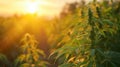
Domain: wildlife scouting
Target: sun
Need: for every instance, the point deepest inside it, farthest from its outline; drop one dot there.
(32, 7)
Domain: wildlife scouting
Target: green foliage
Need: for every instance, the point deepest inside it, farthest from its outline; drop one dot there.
(93, 39)
(31, 55)
(4, 61)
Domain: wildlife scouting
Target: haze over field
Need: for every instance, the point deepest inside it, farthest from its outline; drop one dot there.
(41, 7)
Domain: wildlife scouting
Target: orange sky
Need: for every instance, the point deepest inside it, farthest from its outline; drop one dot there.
(45, 7)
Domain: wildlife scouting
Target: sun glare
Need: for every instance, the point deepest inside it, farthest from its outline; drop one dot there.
(32, 7)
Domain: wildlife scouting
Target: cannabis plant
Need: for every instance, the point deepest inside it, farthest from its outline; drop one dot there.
(93, 39)
(30, 55)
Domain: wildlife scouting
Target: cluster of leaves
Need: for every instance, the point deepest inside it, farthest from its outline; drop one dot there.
(30, 55)
(90, 37)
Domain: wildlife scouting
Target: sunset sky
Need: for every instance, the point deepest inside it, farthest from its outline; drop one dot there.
(43, 7)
